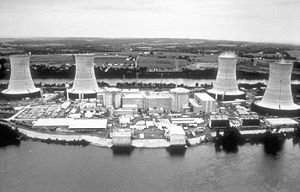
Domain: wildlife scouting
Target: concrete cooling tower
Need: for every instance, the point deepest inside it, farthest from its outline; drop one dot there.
(20, 83)
(277, 99)
(225, 88)
(85, 84)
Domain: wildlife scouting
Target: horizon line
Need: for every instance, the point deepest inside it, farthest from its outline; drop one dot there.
(103, 37)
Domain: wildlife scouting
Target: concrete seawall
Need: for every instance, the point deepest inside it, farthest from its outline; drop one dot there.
(94, 140)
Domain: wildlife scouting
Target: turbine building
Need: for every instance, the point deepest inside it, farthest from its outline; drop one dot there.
(225, 87)
(277, 99)
(85, 84)
(20, 83)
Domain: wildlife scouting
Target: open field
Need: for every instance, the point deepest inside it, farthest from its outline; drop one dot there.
(52, 59)
(168, 63)
(294, 53)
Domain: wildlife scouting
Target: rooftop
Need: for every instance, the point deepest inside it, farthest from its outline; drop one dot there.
(179, 90)
(204, 97)
(88, 124)
(281, 121)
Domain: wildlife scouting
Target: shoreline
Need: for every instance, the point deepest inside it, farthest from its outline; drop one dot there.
(249, 136)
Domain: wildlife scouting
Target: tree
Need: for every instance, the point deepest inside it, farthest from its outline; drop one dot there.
(2, 62)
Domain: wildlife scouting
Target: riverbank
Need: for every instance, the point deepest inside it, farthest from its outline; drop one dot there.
(95, 140)
(85, 139)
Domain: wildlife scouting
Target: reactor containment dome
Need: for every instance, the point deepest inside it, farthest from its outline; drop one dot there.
(278, 99)
(20, 83)
(85, 84)
(225, 87)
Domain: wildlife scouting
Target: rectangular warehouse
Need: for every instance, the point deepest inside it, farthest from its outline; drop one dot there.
(88, 124)
(282, 122)
(177, 135)
(208, 104)
(218, 121)
(121, 138)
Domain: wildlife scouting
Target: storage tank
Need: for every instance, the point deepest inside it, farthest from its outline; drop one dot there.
(20, 83)
(225, 87)
(113, 97)
(85, 84)
(277, 99)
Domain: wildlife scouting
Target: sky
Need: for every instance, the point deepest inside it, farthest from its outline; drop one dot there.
(240, 20)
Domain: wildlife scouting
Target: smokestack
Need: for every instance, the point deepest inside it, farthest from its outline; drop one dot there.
(277, 99)
(20, 83)
(225, 87)
(85, 83)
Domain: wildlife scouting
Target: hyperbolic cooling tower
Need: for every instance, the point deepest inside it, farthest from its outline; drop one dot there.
(85, 84)
(277, 99)
(225, 87)
(20, 83)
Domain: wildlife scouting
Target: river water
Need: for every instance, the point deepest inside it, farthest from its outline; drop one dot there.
(35, 166)
(185, 81)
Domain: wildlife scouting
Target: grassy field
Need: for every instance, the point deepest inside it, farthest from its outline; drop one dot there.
(168, 63)
(51, 59)
(295, 53)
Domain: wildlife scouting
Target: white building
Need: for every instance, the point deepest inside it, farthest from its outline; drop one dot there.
(177, 135)
(208, 104)
(121, 138)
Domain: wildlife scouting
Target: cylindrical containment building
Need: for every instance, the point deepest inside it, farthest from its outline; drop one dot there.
(225, 88)
(277, 99)
(20, 83)
(85, 85)
(180, 98)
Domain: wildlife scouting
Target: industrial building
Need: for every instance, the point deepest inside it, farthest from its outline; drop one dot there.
(208, 104)
(176, 135)
(71, 124)
(148, 100)
(278, 99)
(281, 122)
(219, 121)
(180, 99)
(20, 83)
(85, 84)
(250, 120)
(155, 100)
(113, 97)
(134, 98)
(87, 124)
(121, 138)
(196, 108)
(51, 123)
(225, 87)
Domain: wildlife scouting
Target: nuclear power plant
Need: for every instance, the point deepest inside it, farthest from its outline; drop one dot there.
(225, 88)
(277, 99)
(85, 84)
(20, 83)
(147, 114)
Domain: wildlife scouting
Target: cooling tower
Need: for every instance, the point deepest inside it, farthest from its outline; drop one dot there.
(277, 99)
(85, 84)
(20, 83)
(225, 88)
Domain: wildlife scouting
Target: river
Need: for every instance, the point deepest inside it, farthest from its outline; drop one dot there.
(36, 166)
(185, 81)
